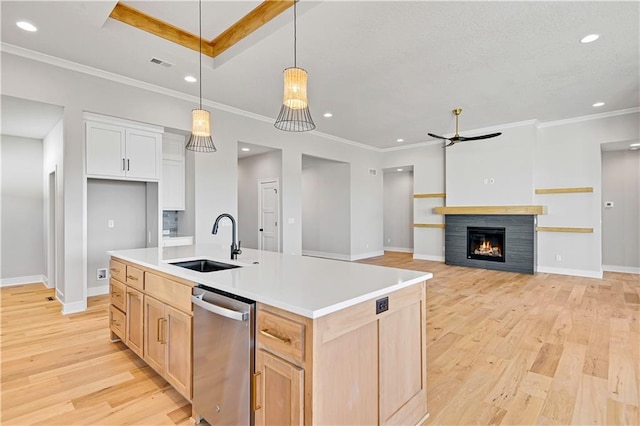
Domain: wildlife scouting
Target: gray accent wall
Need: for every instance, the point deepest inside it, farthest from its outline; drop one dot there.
(398, 210)
(520, 241)
(621, 223)
(123, 202)
(22, 224)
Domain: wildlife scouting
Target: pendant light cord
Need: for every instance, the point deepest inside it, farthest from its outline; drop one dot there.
(200, 56)
(295, 63)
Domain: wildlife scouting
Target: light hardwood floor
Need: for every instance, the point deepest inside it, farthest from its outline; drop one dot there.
(503, 348)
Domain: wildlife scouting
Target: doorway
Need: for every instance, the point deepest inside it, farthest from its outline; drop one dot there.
(398, 209)
(268, 205)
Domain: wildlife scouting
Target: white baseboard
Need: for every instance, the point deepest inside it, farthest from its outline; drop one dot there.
(428, 257)
(97, 291)
(366, 255)
(623, 269)
(326, 255)
(574, 272)
(74, 307)
(29, 279)
(399, 249)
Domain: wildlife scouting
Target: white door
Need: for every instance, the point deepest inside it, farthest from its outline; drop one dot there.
(269, 206)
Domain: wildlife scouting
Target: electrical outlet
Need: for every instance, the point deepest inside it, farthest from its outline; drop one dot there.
(110, 223)
(485, 181)
(382, 305)
(101, 274)
(558, 258)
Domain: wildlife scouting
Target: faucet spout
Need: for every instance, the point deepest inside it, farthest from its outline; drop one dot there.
(235, 247)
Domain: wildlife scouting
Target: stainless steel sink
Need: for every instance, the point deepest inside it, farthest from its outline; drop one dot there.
(204, 265)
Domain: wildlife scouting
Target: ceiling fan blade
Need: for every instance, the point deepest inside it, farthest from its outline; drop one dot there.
(449, 144)
(475, 138)
(438, 137)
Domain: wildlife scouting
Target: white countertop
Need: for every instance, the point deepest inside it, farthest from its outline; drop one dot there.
(308, 286)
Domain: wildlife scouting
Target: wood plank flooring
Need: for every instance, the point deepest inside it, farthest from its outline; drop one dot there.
(513, 349)
(503, 348)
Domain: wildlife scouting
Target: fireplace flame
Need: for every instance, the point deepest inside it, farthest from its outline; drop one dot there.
(486, 249)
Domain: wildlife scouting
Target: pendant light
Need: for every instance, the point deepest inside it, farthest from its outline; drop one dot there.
(294, 115)
(200, 139)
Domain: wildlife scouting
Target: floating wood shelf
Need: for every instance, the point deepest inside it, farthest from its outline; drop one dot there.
(429, 225)
(564, 229)
(528, 210)
(564, 190)
(434, 195)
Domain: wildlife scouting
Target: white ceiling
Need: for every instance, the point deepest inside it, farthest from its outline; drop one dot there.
(28, 119)
(386, 70)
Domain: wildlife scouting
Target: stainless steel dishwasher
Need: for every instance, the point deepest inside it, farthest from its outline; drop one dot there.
(223, 356)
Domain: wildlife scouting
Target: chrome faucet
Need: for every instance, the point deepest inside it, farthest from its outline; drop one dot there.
(235, 248)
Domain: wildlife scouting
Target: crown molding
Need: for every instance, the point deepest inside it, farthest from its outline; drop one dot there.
(95, 72)
(590, 117)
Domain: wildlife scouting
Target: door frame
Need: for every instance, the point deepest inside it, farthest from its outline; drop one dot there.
(278, 234)
(52, 230)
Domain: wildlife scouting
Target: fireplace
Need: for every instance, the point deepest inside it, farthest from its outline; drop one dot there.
(486, 244)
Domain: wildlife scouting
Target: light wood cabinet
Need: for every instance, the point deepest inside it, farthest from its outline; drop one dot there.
(155, 320)
(280, 391)
(118, 149)
(134, 332)
(167, 338)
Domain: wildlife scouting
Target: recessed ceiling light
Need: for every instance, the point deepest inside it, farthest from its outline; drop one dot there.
(635, 145)
(398, 170)
(27, 26)
(327, 115)
(590, 38)
(598, 104)
(246, 149)
(400, 140)
(190, 79)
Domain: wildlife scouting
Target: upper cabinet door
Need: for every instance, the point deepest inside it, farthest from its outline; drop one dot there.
(173, 172)
(105, 149)
(143, 151)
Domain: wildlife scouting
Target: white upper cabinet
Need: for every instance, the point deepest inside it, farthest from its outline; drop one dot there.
(121, 149)
(173, 172)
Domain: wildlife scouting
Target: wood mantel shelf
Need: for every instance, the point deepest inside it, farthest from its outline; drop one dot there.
(527, 210)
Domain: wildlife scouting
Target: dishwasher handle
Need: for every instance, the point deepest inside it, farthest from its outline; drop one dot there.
(219, 310)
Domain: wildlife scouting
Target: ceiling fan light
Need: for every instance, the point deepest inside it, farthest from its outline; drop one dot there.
(200, 139)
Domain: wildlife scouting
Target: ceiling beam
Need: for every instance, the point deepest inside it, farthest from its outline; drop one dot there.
(253, 20)
(249, 23)
(141, 20)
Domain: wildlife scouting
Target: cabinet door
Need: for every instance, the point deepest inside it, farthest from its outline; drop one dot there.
(154, 333)
(134, 321)
(105, 149)
(178, 338)
(143, 154)
(172, 185)
(280, 391)
(403, 366)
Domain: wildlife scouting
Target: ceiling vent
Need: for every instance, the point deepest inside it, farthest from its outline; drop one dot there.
(373, 172)
(161, 62)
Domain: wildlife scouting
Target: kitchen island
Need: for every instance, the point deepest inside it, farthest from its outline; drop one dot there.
(336, 342)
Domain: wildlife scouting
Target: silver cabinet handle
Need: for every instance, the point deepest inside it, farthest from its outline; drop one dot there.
(219, 310)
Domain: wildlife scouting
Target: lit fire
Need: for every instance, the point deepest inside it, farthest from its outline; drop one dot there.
(486, 249)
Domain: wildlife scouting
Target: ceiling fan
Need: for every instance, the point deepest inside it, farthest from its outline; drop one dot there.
(457, 138)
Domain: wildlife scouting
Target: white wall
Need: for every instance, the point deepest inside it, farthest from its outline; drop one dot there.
(250, 171)
(398, 210)
(507, 159)
(23, 242)
(325, 208)
(621, 223)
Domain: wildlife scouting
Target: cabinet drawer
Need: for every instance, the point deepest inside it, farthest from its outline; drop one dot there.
(117, 270)
(135, 277)
(281, 335)
(117, 320)
(118, 291)
(169, 291)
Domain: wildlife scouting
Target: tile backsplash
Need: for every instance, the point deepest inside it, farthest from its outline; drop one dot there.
(169, 222)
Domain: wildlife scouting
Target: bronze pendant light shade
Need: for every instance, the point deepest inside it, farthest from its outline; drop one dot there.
(200, 139)
(294, 114)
